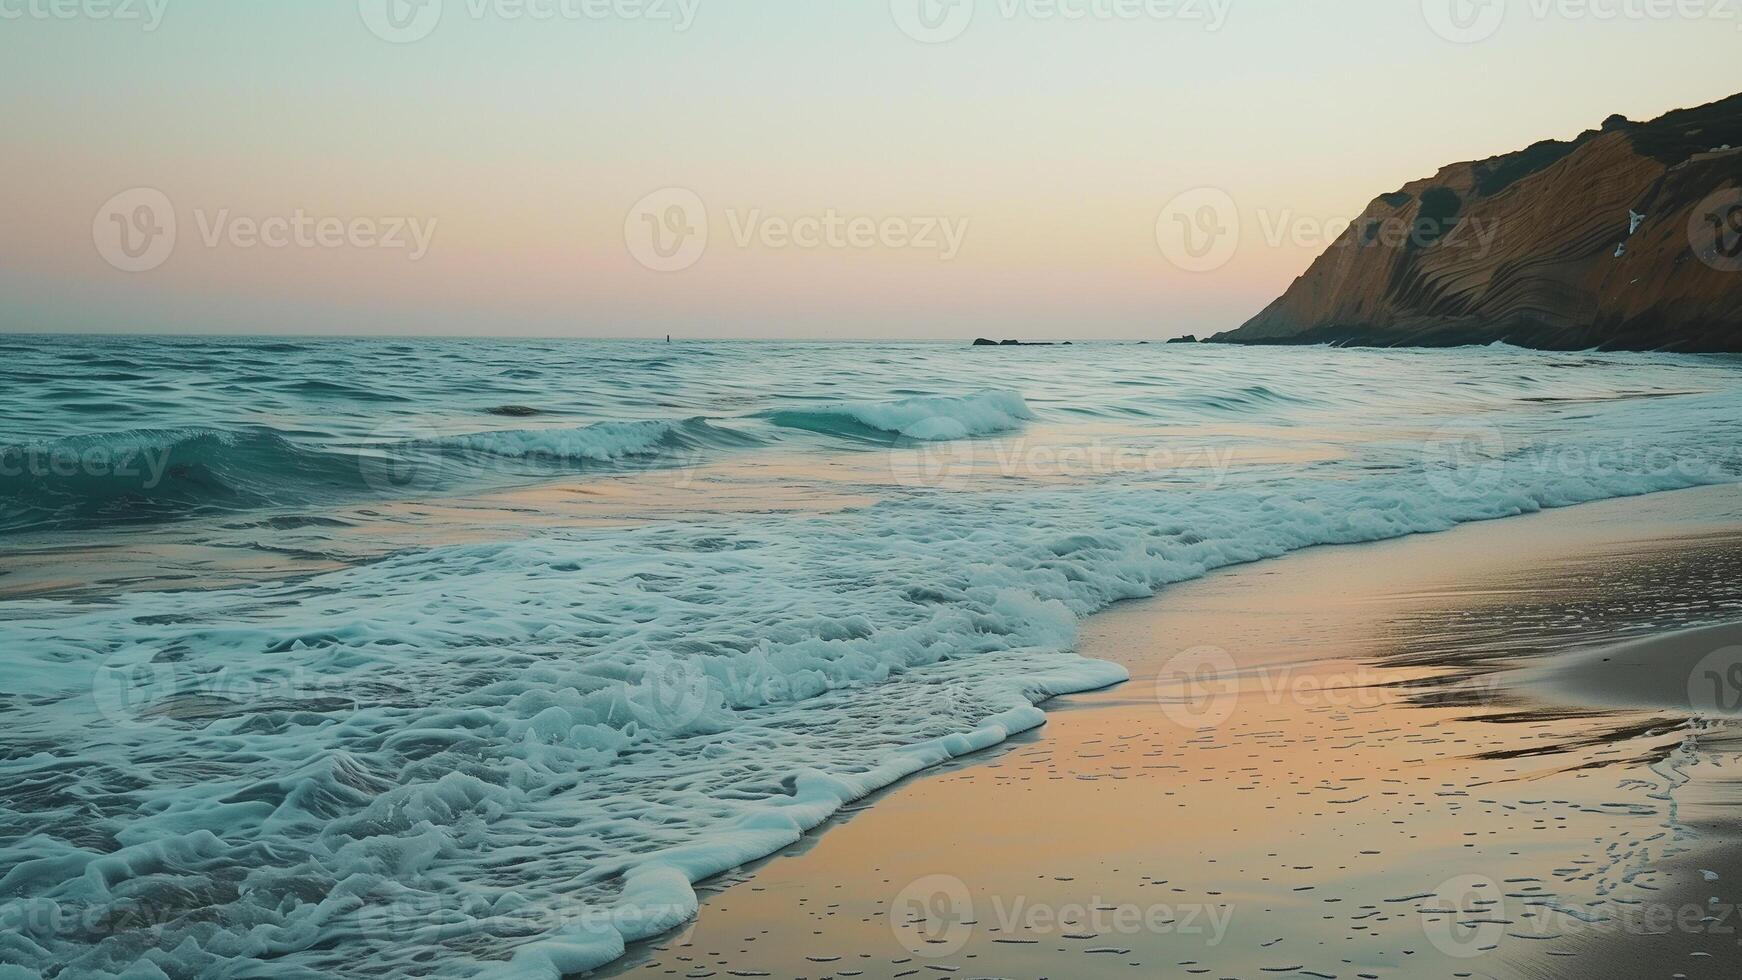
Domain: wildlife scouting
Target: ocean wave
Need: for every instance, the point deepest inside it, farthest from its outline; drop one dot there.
(317, 388)
(603, 442)
(152, 475)
(924, 419)
(1251, 399)
(159, 474)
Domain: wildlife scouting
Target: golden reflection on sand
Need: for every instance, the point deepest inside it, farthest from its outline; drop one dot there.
(1324, 800)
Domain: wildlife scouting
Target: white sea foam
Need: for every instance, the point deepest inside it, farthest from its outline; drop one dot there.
(927, 419)
(604, 442)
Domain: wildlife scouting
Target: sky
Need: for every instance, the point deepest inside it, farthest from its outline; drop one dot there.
(834, 169)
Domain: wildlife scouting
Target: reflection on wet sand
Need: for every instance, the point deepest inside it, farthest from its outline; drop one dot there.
(1324, 767)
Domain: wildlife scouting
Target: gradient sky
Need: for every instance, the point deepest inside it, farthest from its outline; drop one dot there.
(528, 142)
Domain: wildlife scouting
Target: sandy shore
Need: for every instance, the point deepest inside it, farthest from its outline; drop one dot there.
(1434, 757)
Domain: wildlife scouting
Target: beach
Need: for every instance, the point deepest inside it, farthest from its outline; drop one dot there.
(1356, 761)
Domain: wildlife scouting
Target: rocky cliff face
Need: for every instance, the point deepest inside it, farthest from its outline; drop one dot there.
(1626, 238)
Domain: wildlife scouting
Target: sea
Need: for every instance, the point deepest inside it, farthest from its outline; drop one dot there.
(469, 658)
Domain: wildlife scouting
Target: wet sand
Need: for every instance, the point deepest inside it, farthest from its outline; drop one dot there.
(1351, 762)
(1697, 670)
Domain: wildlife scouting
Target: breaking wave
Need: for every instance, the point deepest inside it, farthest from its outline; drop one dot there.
(155, 475)
(158, 474)
(924, 419)
(605, 442)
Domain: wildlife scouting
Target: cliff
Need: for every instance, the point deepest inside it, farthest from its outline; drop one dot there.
(1628, 237)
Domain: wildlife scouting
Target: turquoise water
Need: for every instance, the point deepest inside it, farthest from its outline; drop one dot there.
(509, 742)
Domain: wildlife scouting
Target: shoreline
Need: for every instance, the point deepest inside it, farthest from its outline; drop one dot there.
(1134, 632)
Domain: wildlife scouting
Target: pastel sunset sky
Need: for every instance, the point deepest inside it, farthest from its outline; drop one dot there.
(894, 169)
